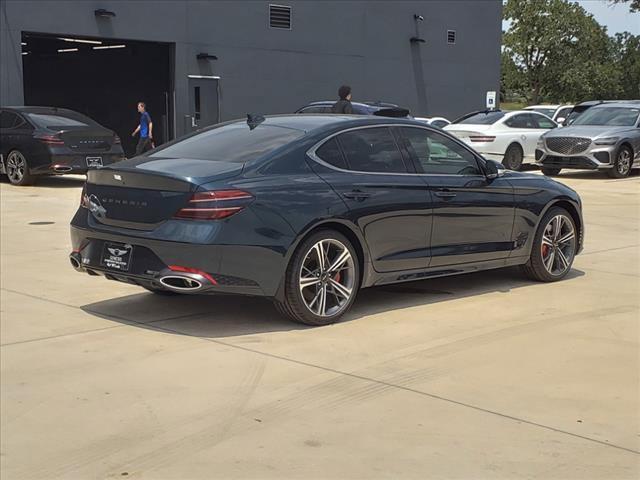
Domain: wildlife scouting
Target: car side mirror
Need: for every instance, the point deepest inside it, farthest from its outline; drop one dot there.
(493, 170)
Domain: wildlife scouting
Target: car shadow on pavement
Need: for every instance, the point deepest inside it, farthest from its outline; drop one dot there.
(219, 316)
(76, 181)
(593, 175)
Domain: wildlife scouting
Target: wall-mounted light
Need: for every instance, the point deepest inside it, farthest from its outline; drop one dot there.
(206, 56)
(80, 40)
(418, 18)
(108, 47)
(102, 13)
(417, 40)
(67, 50)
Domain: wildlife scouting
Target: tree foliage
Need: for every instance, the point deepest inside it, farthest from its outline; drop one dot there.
(634, 5)
(555, 51)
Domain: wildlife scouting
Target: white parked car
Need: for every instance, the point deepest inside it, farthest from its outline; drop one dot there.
(507, 137)
(557, 113)
(439, 122)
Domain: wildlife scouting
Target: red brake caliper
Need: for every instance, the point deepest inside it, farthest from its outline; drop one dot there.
(545, 250)
(337, 277)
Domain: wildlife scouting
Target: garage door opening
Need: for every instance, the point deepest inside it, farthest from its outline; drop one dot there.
(102, 78)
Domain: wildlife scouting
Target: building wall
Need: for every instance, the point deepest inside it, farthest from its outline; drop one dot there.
(363, 44)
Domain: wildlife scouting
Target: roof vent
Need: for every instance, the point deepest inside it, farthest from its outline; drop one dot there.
(451, 37)
(280, 16)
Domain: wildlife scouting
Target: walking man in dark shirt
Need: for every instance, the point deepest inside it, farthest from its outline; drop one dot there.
(344, 104)
(145, 128)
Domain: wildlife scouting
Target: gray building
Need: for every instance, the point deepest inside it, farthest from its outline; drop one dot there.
(197, 62)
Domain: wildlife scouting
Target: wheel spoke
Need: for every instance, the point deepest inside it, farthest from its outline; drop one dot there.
(319, 249)
(546, 240)
(322, 304)
(548, 262)
(557, 226)
(306, 282)
(340, 289)
(567, 237)
(562, 260)
(340, 261)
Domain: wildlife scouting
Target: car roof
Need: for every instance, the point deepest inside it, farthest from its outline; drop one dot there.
(309, 122)
(621, 103)
(530, 107)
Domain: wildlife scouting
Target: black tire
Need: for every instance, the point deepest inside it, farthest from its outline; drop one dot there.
(551, 172)
(535, 268)
(622, 163)
(513, 157)
(17, 169)
(294, 305)
(162, 293)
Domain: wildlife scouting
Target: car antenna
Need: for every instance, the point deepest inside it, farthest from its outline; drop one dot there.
(254, 119)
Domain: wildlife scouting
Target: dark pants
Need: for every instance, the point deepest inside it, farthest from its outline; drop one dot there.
(144, 144)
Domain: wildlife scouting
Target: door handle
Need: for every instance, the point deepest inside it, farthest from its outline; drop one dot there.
(445, 194)
(358, 195)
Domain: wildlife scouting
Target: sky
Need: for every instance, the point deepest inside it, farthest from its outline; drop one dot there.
(616, 17)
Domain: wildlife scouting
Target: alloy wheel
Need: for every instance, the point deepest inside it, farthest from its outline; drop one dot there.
(558, 245)
(624, 162)
(16, 167)
(327, 278)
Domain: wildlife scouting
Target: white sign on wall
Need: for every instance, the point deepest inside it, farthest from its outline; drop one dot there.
(491, 100)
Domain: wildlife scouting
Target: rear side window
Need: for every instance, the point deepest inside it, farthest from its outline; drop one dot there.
(372, 150)
(8, 119)
(233, 143)
(438, 154)
(330, 152)
(523, 120)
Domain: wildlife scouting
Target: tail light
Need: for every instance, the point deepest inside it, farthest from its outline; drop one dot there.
(116, 140)
(215, 205)
(50, 139)
(84, 199)
(484, 138)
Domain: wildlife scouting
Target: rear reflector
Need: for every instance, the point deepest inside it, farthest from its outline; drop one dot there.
(482, 139)
(215, 205)
(84, 200)
(178, 268)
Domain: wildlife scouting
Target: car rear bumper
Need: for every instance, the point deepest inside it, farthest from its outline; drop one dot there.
(232, 269)
(74, 163)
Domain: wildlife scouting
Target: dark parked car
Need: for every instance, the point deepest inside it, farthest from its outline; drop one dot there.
(381, 109)
(308, 209)
(52, 141)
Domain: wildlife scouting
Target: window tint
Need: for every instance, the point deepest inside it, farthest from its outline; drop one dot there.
(543, 122)
(316, 109)
(564, 112)
(8, 119)
(60, 120)
(610, 116)
(372, 150)
(482, 118)
(523, 120)
(330, 152)
(439, 154)
(234, 143)
(545, 111)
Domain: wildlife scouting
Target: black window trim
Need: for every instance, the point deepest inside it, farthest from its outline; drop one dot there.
(311, 153)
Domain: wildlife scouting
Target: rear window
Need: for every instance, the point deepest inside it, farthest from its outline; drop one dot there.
(609, 116)
(481, 118)
(233, 143)
(60, 120)
(545, 111)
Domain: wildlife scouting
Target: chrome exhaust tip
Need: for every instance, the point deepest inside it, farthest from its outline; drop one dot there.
(61, 168)
(181, 283)
(76, 261)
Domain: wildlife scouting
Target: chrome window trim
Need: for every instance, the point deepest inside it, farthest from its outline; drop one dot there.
(311, 153)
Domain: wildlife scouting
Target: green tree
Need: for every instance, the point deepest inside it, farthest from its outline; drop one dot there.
(560, 52)
(627, 52)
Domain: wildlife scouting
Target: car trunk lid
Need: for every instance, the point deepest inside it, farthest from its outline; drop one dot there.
(142, 193)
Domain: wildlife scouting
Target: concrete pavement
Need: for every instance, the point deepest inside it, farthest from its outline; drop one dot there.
(486, 375)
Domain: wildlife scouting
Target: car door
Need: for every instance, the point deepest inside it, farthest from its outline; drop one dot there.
(8, 138)
(391, 205)
(524, 129)
(472, 216)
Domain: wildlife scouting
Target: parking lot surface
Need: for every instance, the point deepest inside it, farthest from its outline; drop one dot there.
(486, 375)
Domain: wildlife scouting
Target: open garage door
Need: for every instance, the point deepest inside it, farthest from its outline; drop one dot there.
(102, 78)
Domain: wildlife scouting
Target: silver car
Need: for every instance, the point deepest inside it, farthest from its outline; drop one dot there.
(605, 137)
